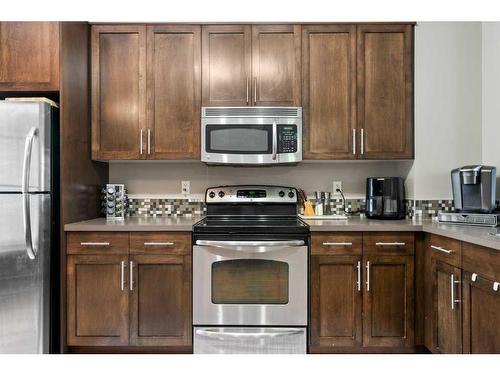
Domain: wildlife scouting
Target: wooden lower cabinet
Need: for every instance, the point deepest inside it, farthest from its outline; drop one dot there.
(97, 300)
(336, 301)
(388, 301)
(160, 305)
(446, 308)
(481, 326)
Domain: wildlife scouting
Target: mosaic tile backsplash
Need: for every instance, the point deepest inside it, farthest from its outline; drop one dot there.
(161, 207)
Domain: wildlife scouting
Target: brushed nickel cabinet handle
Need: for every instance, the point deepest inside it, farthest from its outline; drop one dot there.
(368, 276)
(149, 141)
(95, 244)
(473, 277)
(496, 286)
(453, 282)
(354, 141)
(443, 250)
(141, 141)
(337, 243)
(390, 243)
(358, 282)
(255, 90)
(248, 93)
(122, 275)
(362, 145)
(131, 275)
(159, 243)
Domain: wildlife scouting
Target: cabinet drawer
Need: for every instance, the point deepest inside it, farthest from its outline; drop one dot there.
(481, 260)
(336, 243)
(446, 250)
(178, 243)
(97, 243)
(389, 243)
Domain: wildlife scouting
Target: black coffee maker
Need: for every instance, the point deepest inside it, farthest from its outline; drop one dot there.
(385, 198)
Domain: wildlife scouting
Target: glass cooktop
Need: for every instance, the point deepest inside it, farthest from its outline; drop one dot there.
(251, 224)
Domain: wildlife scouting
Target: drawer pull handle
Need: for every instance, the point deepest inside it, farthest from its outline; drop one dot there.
(159, 243)
(496, 285)
(390, 243)
(438, 248)
(337, 243)
(473, 277)
(95, 243)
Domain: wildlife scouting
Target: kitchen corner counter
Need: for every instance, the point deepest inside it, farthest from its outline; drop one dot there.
(135, 224)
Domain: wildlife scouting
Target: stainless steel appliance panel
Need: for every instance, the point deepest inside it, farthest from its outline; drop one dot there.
(249, 340)
(292, 313)
(25, 126)
(24, 282)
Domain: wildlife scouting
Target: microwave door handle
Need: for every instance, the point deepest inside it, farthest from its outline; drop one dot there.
(275, 141)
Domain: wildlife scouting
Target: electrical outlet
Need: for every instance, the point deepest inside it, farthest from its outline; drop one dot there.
(186, 187)
(337, 185)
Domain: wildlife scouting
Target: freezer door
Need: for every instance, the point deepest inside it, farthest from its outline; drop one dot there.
(24, 282)
(23, 124)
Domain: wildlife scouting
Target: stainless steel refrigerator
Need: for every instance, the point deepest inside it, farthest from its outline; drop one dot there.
(27, 190)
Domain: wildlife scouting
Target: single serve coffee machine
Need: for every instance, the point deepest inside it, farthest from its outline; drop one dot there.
(474, 189)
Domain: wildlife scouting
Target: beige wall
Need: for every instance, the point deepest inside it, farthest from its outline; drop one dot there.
(447, 105)
(165, 178)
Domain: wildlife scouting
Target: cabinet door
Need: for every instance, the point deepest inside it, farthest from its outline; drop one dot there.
(118, 92)
(336, 302)
(97, 300)
(481, 317)
(226, 60)
(446, 310)
(29, 56)
(385, 90)
(276, 61)
(329, 91)
(160, 300)
(174, 91)
(388, 301)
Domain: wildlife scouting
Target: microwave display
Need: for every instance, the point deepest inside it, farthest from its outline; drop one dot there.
(287, 139)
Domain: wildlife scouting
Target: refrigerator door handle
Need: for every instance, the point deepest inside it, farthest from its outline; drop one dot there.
(28, 146)
(32, 252)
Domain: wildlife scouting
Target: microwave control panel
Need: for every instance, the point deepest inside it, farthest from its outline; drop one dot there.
(287, 139)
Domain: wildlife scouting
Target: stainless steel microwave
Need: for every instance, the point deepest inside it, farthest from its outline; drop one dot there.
(251, 135)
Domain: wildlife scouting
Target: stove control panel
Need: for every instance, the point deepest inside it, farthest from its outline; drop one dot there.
(251, 194)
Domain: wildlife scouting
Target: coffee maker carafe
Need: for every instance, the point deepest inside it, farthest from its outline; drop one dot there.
(385, 198)
(474, 188)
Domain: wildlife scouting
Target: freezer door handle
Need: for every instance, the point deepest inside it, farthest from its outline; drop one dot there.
(28, 146)
(30, 249)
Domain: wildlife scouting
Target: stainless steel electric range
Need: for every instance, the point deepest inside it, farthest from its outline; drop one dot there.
(250, 261)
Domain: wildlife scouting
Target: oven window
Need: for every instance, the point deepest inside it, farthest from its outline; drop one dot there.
(239, 139)
(250, 281)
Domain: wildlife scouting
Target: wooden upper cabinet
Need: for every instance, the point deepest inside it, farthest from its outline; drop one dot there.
(336, 302)
(276, 62)
(385, 90)
(118, 92)
(160, 300)
(329, 91)
(174, 91)
(97, 300)
(29, 56)
(388, 301)
(226, 60)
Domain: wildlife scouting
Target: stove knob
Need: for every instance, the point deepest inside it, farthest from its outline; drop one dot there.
(281, 193)
(291, 194)
(221, 194)
(211, 194)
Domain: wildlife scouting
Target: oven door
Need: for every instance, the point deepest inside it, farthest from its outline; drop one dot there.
(261, 283)
(241, 140)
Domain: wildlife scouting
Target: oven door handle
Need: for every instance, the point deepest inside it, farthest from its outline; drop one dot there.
(256, 335)
(251, 246)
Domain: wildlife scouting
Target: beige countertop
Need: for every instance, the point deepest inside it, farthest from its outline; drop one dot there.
(477, 235)
(135, 224)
